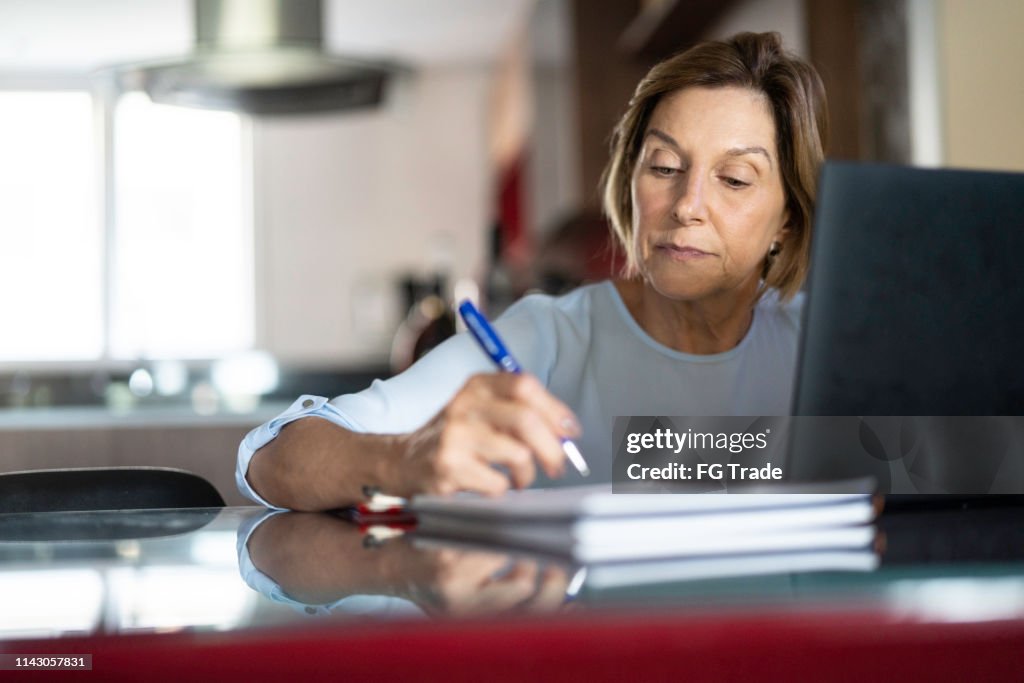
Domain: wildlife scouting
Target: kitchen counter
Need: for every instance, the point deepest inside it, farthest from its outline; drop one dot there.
(101, 417)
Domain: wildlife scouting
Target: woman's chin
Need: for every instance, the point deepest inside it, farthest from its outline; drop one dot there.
(693, 287)
(681, 288)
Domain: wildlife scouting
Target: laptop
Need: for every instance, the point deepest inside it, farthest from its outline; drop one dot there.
(913, 332)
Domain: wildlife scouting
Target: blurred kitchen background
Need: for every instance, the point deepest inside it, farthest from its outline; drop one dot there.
(209, 207)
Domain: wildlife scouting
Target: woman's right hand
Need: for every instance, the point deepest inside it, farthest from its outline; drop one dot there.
(503, 419)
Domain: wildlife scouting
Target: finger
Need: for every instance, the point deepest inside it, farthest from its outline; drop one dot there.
(522, 570)
(512, 588)
(527, 389)
(551, 591)
(456, 465)
(502, 596)
(476, 475)
(501, 449)
(527, 427)
(474, 568)
(459, 575)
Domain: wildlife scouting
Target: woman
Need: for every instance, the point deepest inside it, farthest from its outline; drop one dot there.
(710, 191)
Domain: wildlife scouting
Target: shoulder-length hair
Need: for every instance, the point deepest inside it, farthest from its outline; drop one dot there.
(796, 98)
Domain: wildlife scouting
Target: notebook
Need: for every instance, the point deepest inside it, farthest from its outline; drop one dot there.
(590, 524)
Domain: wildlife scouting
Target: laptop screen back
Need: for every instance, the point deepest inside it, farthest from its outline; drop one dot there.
(916, 294)
(915, 308)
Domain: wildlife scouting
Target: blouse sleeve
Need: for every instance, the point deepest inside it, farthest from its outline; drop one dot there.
(407, 401)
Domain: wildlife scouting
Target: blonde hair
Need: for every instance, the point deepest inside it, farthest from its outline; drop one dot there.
(796, 98)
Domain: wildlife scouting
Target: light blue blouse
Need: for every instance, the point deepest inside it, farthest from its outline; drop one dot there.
(588, 351)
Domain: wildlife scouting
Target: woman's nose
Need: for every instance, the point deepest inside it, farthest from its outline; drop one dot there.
(689, 205)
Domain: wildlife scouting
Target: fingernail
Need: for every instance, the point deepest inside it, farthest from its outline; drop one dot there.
(569, 424)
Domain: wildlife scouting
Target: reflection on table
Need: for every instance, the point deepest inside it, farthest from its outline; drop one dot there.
(323, 564)
(240, 568)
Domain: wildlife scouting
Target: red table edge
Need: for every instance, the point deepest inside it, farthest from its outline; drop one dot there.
(630, 645)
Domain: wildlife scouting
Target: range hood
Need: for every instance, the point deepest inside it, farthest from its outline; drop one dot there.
(260, 57)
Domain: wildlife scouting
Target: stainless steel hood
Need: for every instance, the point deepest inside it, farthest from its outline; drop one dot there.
(260, 57)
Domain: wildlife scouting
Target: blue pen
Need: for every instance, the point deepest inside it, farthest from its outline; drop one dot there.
(492, 345)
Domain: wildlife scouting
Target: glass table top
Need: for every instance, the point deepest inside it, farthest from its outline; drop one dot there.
(245, 568)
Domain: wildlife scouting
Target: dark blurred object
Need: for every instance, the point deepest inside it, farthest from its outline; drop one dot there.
(111, 488)
(326, 381)
(260, 57)
(503, 283)
(991, 530)
(98, 525)
(580, 250)
(22, 390)
(42, 389)
(860, 49)
(429, 322)
(664, 27)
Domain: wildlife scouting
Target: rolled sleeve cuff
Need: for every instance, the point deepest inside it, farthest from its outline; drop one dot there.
(375, 605)
(305, 406)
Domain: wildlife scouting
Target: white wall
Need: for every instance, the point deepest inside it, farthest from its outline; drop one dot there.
(347, 203)
(981, 52)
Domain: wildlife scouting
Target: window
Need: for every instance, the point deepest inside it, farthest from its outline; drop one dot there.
(170, 276)
(50, 228)
(183, 258)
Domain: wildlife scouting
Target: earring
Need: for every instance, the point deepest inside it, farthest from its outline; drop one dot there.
(769, 260)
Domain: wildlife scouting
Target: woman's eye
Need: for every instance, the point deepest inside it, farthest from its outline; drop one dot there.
(734, 182)
(664, 170)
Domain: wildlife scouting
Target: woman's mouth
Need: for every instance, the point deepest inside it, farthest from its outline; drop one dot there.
(682, 253)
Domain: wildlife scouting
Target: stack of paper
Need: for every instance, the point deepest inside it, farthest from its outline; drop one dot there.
(592, 525)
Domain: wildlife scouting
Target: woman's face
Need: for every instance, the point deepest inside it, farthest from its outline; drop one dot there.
(707, 193)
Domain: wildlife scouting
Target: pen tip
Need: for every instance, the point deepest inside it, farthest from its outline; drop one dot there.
(575, 457)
